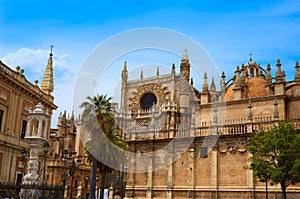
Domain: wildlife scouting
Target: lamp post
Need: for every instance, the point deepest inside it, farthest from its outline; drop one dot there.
(69, 159)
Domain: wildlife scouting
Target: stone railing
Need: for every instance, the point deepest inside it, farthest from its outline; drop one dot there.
(229, 128)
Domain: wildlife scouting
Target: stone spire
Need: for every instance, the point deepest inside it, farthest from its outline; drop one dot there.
(47, 83)
(223, 83)
(213, 85)
(280, 75)
(269, 76)
(185, 66)
(297, 74)
(157, 71)
(142, 75)
(185, 55)
(124, 72)
(237, 79)
(173, 69)
(205, 83)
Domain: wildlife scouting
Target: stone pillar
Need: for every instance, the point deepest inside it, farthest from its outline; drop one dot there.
(110, 192)
(250, 184)
(191, 174)
(149, 183)
(214, 169)
(32, 178)
(249, 118)
(170, 173)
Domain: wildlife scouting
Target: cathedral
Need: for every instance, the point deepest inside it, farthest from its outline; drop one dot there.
(190, 143)
(184, 142)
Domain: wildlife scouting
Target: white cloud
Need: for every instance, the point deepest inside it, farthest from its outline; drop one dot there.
(34, 63)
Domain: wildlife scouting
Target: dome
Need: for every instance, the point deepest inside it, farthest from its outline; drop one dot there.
(254, 87)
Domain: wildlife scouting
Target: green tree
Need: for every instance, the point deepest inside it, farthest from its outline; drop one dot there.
(276, 155)
(106, 147)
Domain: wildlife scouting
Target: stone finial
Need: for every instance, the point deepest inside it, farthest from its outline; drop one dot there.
(297, 74)
(280, 75)
(205, 83)
(47, 83)
(142, 76)
(124, 72)
(125, 66)
(185, 54)
(278, 65)
(173, 69)
(269, 76)
(185, 67)
(237, 79)
(223, 82)
(157, 71)
(213, 85)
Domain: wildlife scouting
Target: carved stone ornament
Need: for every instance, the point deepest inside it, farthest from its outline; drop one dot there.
(158, 90)
(232, 148)
(222, 148)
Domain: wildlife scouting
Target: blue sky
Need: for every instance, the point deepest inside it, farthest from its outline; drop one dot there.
(227, 30)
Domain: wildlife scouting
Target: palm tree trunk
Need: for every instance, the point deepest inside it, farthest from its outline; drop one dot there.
(93, 179)
(103, 175)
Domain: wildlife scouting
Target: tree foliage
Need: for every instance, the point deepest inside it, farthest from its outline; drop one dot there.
(276, 155)
(105, 148)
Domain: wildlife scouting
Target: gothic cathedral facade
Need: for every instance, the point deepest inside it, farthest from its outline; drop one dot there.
(187, 143)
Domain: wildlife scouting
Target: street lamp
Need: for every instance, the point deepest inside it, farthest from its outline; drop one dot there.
(65, 156)
(69, 159)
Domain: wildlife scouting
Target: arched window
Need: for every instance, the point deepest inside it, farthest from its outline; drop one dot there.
(251, 72)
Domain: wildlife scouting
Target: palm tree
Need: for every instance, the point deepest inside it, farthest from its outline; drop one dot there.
(106, 147)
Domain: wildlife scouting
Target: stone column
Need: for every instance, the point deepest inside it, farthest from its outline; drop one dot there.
(149, 183)
(214, 170)
(170, 177)
(32, 178)
(250, 184)
(110, 192)
(191, 174)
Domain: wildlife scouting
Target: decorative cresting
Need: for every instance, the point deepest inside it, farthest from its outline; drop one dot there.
(36, 136)
(161, 93)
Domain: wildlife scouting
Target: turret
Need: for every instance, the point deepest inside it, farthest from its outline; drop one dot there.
(280, 80)
(124, 73)
(238, 91)
(269, 80)
(123, 87)
(205, 92)
(297, 74)
(185, 66)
